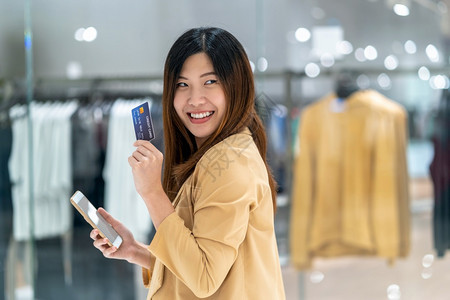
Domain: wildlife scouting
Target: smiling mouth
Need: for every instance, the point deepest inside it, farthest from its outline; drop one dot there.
(200, 115)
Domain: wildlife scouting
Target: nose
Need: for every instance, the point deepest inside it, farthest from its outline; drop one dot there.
(196, 97)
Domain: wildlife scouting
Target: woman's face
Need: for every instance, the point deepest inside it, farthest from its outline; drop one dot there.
(199, 97)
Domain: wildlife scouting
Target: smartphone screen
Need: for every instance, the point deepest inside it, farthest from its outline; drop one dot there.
(93, 217)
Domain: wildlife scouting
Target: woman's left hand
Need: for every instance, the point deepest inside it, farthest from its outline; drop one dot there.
(146, 164)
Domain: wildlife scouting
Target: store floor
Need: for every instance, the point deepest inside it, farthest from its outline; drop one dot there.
(94, 277)
(420, 276)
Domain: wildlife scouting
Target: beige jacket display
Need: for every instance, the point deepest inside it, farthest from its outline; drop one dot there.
(350, 186)
(220, 242)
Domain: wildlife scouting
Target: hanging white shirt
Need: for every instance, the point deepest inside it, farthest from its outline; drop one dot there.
(52, 173)
(121, 199)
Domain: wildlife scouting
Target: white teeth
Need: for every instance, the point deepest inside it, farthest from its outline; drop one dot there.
(201, 115)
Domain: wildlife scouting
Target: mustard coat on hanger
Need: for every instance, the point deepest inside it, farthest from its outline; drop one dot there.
(350, 193)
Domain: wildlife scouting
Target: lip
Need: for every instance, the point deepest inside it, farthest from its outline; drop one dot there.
(202, 120)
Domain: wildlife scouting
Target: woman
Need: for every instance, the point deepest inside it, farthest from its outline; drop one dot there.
(214, 211)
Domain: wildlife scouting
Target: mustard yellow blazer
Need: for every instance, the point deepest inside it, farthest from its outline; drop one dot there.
(350, 193)
(220, 242)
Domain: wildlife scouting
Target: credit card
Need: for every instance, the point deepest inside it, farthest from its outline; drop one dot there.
(142, 121)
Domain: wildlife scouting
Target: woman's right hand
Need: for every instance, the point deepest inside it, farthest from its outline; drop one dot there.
(127, 248)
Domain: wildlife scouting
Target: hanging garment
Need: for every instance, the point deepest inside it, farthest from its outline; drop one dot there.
(5, 152)
(52, 169)
(88, 151)
(350, 193)
(276, 129)
(121, 199)
(440, 176)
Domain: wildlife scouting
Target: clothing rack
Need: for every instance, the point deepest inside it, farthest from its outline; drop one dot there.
(128, 87)
(89, 87)
(83, 89)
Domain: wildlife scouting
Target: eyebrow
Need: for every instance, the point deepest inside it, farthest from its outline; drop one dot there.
(203, 75)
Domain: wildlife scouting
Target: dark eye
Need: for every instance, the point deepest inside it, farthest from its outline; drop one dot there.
(181, 84)
(211, 81)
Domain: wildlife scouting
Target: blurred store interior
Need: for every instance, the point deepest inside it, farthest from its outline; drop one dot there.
(80, 66)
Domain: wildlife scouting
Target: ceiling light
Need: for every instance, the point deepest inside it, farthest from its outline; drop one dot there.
(432, 53)
(344, 47)
(424, 73)
(85, 34)
(312, 70)
(370, 52)
(391, 62)
(90, 34)
(401, 9)
(410, 47)
(363, 81)
(262, 64)
(359, 55)
(79, 34)
(327, 60)
(384, 81)
(439, 82)
(302, 34)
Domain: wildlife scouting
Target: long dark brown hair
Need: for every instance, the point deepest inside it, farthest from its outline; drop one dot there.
(233, 69)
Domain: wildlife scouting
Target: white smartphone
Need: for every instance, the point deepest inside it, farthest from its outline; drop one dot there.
(93, 217)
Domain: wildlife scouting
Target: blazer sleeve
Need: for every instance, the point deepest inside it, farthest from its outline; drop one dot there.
(202, 258)
(403, 182)
(385, 188)
(302, 194)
